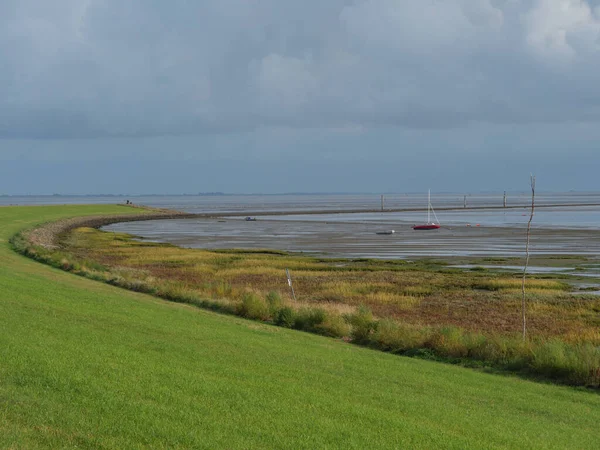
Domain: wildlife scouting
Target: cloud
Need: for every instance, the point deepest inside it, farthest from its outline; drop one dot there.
(93, 68)
(284, 82)
(564, 29)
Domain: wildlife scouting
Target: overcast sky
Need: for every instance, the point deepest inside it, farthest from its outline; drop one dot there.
(148, 96)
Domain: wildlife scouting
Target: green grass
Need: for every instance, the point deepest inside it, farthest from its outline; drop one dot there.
(87, 365)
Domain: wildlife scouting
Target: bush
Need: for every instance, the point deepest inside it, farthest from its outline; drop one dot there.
(448, 341)
(253, 307)
(363, 324)
(168, 292)
(396, 337)
(274, 301)
(308, 319)
(285, 317)
(172, 291)
(578, 364)
(551, 359)
(508, 351)
(334, 326)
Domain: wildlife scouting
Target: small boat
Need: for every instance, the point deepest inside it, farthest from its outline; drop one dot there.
(426, 226)
(386, 232)
(250, 219)
(429, 225)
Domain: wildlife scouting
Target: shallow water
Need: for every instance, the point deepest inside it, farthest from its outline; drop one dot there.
(530, 269)
(312, 202)
(582, 217)
(359, 238)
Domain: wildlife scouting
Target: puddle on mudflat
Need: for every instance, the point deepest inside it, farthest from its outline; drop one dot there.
(530, 269)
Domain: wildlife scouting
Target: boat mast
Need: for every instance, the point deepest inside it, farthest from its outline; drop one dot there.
(428, 205)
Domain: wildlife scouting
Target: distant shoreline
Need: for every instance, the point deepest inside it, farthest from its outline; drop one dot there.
(378, 210)
(297, 212)
(304, 194)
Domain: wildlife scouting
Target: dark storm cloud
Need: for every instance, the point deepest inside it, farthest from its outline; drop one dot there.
(77, 68)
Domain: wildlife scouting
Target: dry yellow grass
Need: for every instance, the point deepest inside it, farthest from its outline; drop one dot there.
(415, 293)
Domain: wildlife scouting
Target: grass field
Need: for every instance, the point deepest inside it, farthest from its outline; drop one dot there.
(87, 365)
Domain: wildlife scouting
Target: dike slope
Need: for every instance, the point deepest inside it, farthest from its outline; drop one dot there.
(87, 365)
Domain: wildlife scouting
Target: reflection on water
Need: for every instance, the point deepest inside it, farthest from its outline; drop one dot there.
(561, 217)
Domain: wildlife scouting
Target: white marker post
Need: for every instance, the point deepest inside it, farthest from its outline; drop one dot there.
(289, 278)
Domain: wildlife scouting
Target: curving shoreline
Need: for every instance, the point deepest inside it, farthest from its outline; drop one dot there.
(47, 235)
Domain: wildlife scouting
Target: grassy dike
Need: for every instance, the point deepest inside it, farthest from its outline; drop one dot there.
(85, 364)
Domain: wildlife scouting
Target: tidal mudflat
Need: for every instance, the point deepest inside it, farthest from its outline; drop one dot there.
(463, 234)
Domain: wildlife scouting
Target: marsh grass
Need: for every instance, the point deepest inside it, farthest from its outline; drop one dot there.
(421, 308)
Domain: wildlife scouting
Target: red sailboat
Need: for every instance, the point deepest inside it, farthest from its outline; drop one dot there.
(429, 225)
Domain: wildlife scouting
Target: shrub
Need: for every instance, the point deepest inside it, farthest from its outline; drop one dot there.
(334, 326)
(508, 351)
(168, 293)
(363, 324)
(172, 291)
(448, 341)
(396, 337)
(253, 307)
(550, 358)
(574, 363)
(96, 276)
(274, 301)
(225, 306)
(285, 317)
(308, 319)
(473, 342)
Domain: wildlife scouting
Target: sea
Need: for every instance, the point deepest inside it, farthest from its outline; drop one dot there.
(312, 202)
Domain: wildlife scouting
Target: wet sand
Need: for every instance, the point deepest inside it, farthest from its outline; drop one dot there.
(359, 239)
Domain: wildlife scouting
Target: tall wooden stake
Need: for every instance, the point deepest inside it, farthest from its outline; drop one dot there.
(465, 202)
(289, 277)
(504, 202)
(524, 316)
(382, 202)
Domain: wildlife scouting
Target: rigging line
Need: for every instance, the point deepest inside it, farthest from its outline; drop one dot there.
(434, 214)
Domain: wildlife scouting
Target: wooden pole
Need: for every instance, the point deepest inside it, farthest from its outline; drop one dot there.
(524, 317)
(382, 202)
(465, 202)
(289, 277)
(504, 202)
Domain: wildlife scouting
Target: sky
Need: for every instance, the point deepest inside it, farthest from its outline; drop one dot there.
(246, 96)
